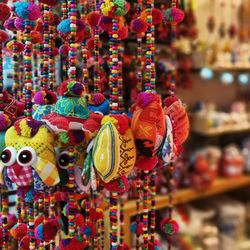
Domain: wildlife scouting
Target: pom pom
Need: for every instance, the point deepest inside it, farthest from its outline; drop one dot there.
(174, 16)
(156, 14)
(72, 244)
(64, 50)
(39, 26)
(38, 220)
(27, 10)
(137, 228)
(123, 32)
(170, 100)
(88, 230)
(123, 246)
(91, 44)
(19, 24)
(120, 185)
(18, 46)
(4, 37)
(114, 8)
(12, 220)
(19, 231)
(27, 127)
(138, 25)
(122, 124)
(45, 97)
(36, 37)
(154, 245)
(49, 2)
(9, 24)
(96, 214)
(5, 122)
(71, 88)
(4, 11)
(106, 24)
(93, 18)
(169, 226)
(79, 220)
(145, 98)
(47, 231)
(146, 163)
(98, 99)
(111, 119)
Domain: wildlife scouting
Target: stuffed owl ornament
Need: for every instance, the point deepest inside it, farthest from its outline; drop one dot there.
(28, 159)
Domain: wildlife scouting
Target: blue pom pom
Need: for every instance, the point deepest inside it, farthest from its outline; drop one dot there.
(87, 231)
(21, 9)
(133, 227)
(64, 26)
(104, 108)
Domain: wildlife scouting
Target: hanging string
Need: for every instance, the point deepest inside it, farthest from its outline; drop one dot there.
(120, 79)
(35, 67)
(138, 201)
(5, 210)
(121, 202)
(139, 51)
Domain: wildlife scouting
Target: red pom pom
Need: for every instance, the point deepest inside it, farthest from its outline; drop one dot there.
(4, 37)
(170, 100)
(123, 123)
(12, 220)
(49, 2)
(79, 220)
(18, 45)
(60, 196)
(123, 246)
(138, 25)
(119, 185)
(19, 231)
(50, 229)
(4, 11)
(145, 163)
(36, 37)
(72, 244)
(96, 214)
(91, 44)
(88, 230)
(156, 14)
(169, 226)
(93, 18)
(123, 32)
(39, 26)
(64, 50)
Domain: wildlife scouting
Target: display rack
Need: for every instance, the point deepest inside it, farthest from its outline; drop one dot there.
(183, 196)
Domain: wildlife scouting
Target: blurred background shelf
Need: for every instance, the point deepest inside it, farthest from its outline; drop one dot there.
(221, 185)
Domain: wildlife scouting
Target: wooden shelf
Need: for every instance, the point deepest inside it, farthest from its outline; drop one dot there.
(183, 196)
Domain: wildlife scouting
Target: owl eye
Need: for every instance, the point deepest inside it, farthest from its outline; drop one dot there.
(8, 156)
(26, 156)
(63, 160)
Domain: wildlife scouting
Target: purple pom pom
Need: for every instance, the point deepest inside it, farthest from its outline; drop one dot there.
(77, 89)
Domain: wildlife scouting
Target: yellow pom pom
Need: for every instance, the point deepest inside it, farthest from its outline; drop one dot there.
(107, 7)
(25, 129)
(108, 118)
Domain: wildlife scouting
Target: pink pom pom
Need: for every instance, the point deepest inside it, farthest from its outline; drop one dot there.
(9, 24)
(120, 185)
(145, 98)
(64, 50)
(34, 12)
(98, 99)
(91, 44)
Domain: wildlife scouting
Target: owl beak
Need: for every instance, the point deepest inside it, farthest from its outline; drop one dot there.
(17, 169)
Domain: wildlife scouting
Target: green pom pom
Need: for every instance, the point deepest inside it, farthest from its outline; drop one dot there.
(120, 7)
(63, 136)
(168, 229)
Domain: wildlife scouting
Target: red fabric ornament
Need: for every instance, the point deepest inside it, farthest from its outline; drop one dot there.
(24, 243)
(93, 18)
(4, 11)
(123, 32)
(38, 220)
(19, 231)
(119, 185)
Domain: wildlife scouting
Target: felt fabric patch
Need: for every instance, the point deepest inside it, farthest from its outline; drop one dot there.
(72, 107)
(106, 152)
(148, 126)
(127, 153)
(47, 172)
(39, 111)
(168, 144)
